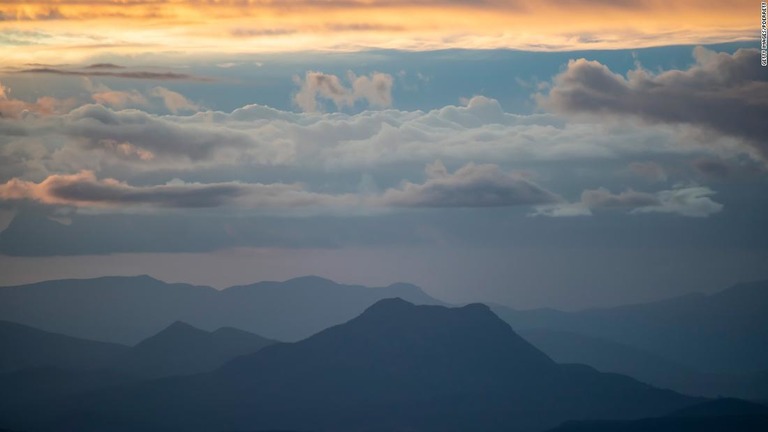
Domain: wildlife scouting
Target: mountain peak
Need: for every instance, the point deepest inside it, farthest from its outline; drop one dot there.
(476, 307)
(178, 332)
(310, 279)
(395, 304)
(181, 326)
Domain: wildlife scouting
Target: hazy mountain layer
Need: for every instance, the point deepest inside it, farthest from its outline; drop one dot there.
(395, 367)
(129, 309)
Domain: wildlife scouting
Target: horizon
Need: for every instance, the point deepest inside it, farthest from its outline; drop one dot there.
(312, 278)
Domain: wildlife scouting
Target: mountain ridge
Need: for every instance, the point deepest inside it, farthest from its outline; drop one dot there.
(396, 366)
(104, 308)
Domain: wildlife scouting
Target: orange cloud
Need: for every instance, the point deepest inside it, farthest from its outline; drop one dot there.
(77, 28)
(46, 105)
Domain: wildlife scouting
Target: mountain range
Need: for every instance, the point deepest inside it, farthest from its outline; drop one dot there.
(725, 332)
(397, 366)
(128, 309)
(176, 350)
(705, 345)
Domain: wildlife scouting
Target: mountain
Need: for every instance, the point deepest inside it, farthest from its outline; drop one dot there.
(722, 333)
(39, 367)
(182, 349)
(107, 308)
(24, 347)
(608, 356)
(720, 415)
(116, 309)
(397, 366)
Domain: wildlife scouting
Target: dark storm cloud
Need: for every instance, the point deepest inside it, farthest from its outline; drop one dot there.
(725, 93)
(470, 186)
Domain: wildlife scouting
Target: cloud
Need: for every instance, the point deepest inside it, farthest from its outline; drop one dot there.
(256, 138)
(173, 101)
(690, 201)
(472, 185)
(141, 75)
(99, 128)
(259, 32)
(724, 93)
(45, 105)
(120, 99)
(375, 89)
(685, 201)
(104, 66)
(469, 186)
(84, 190)
(215, 27)
(603, 199)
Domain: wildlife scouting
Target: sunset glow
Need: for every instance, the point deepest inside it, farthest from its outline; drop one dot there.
(69, 30)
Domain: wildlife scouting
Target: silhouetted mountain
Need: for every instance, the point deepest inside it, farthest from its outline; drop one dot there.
(721, 415)
(608, 356)
(107, 308)
(182, 349)
(23, 347)
(118, 309)
(726, 332)
(41, 367)
(395, 367)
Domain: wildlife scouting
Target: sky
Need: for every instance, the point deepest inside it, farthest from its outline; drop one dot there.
(565, 154)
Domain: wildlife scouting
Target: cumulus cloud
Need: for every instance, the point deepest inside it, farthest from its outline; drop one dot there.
(690, 201)
(99, 138)
(119, 99)
(375, 89)
(97, 127)
(173, 101)
(472, 185)
(724, 93)
(45, 105)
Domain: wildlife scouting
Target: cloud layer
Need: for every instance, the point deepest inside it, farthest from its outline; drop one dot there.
(76, 29)
(724, 93)
(470, 186)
